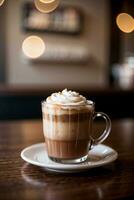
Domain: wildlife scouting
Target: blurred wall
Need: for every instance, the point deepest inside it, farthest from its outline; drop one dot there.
(2, 44)
(96, 37)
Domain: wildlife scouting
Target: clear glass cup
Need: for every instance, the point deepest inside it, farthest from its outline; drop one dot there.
(68, 129)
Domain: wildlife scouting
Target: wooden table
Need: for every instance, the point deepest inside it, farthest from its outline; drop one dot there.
(19, 180)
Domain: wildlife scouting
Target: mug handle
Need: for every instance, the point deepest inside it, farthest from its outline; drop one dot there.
(105, 133)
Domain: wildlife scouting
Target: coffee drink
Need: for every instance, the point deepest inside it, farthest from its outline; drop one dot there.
(67, 125)
(67, 120)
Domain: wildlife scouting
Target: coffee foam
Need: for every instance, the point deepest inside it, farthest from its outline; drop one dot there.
(66, 97)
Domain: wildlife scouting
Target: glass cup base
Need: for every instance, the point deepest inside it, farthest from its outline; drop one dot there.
(69, 161)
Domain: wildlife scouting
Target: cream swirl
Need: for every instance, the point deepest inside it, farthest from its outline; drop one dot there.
(66, 97)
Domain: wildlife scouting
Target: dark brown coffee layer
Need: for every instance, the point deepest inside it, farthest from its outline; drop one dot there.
(68, 117)
(67, 149)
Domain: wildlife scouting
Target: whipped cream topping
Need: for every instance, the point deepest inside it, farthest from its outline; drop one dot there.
(66, 97)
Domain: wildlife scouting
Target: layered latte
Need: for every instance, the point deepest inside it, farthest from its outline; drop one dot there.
(67, 120)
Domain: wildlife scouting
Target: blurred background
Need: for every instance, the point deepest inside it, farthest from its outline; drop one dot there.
(46, 45)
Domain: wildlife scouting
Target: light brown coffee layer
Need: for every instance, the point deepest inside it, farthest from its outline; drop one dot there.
(67, 123)
(65, 110)
(67, 117)
(67, 130)
(67, 149)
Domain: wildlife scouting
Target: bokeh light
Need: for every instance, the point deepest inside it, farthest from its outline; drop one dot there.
(125, 22)
(1, 2)
(33, 46)
(46, 7)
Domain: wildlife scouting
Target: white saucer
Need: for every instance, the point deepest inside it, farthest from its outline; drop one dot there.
(100, 155)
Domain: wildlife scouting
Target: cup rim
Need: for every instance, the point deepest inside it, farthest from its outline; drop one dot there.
(89, 102)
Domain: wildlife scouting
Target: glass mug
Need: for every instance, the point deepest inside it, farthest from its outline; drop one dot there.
(68, 129)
